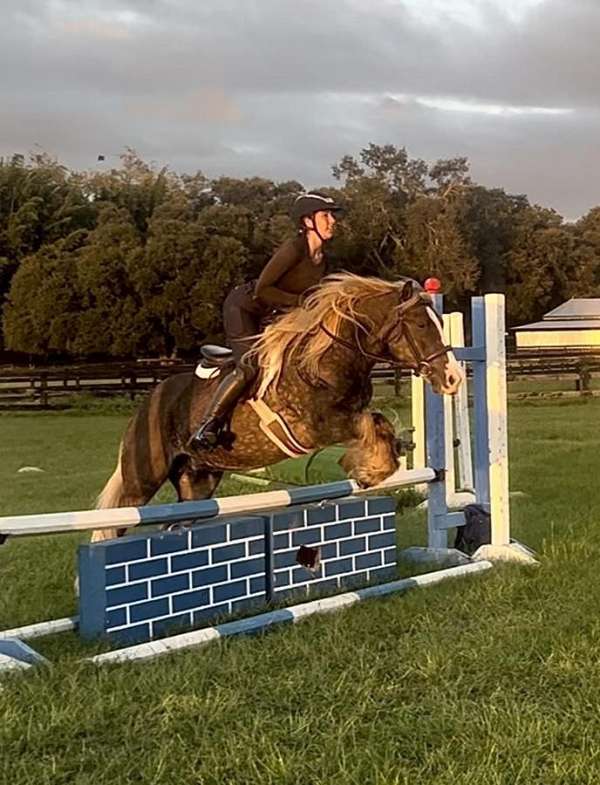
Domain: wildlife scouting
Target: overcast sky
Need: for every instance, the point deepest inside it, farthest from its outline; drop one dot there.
(284, 88)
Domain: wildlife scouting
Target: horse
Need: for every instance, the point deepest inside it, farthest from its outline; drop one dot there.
(314, 366)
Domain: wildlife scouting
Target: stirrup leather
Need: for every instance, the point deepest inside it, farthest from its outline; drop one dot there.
(277, 430)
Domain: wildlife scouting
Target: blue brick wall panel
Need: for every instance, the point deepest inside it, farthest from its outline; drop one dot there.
(126, 595)
(258, 585)
(248, 604)
(282, 578)
(209, 534)
(116, 618)
(188, 561)
(169, 543)
(368, 560)
(325, 514)
(385, 540)
(338, 567)
(171, 625)
(190, 600)
(368, 526)
(249, 567)
(132, 550)
(298, 594)
(230, 591)
(282, 541)
(290, 519)
(212, 613)
(354, 581)
(146, 611)
(302, 575)
(170, 585)
(130, 635)
(228, 553)
(325, 586)
(115, 576)
(338, 531)
(382, 574)
(354, 545)
(307, 537)
(147, 569)
(256, 547)
(246, 528)
(190, 576)
(349, 510)
(329, 551)
(380, 505)
(389, 556)
(285, 559)
(209, 576)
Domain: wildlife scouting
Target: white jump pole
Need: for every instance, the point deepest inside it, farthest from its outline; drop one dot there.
(462, 427)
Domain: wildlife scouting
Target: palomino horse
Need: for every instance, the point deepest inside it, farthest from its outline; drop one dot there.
(315, 364)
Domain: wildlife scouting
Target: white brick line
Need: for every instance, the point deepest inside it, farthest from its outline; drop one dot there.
(186, 552)
(225, 582)
(195, 608)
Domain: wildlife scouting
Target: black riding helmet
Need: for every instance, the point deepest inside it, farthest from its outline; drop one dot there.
(307, 205)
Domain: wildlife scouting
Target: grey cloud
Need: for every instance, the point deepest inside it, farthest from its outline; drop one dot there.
(284, 89)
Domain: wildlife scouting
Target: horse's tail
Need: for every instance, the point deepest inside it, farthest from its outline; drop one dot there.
(110, 496)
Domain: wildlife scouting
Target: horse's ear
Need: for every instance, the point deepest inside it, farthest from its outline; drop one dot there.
(407, 291)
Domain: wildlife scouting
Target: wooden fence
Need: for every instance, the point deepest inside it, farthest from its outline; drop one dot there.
(46, 387)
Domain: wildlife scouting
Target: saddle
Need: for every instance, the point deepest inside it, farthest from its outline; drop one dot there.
(213, 359)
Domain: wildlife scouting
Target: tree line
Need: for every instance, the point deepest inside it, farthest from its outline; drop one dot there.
(136, 261)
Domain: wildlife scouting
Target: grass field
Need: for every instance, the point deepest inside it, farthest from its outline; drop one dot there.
(493, 679)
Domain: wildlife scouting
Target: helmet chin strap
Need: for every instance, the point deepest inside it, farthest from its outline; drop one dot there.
(315, 230)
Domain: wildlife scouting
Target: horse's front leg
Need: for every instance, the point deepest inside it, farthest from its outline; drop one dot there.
(372, 453)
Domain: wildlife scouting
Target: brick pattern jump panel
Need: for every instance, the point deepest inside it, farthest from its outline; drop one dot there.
(149, 585)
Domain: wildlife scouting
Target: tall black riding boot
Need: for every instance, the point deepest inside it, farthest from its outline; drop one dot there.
(227, 393)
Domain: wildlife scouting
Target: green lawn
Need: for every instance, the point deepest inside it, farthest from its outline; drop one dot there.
(493, 679)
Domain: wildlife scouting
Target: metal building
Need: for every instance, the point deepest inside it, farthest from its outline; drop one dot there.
(574, 324)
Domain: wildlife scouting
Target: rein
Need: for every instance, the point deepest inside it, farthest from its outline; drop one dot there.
(423, 363)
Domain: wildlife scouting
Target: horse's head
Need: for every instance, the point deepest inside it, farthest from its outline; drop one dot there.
(413, 336)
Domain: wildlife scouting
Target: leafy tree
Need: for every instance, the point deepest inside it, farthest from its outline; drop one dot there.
(108, 323)
(43, 309)
(434, 245)
(543, 266)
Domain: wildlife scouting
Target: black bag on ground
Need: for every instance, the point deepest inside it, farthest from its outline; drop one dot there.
(476, 531)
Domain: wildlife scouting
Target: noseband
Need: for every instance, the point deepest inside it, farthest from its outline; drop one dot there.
(395, 332)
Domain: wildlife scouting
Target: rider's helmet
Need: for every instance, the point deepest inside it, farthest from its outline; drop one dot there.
(306, 205)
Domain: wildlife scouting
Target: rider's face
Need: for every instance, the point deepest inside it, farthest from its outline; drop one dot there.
(324, 222)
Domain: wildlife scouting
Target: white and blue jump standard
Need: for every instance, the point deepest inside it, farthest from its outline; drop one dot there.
(236, 554)
(487, 360)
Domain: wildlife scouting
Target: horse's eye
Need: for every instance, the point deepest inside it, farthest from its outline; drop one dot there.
(421, 325)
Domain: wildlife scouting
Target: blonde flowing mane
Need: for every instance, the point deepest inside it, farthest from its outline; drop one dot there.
(298, 336)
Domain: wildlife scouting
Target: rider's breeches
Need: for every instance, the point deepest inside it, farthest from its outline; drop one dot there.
(241, 319)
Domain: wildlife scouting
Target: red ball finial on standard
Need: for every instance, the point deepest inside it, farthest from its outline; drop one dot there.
(433, 286)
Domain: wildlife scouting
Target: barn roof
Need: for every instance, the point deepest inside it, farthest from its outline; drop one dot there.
(582, 313)
(576, 308)
(562, 324)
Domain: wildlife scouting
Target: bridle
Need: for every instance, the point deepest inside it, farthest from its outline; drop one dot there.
(394, 332)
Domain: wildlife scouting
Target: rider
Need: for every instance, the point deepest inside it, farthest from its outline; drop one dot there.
(294, 268)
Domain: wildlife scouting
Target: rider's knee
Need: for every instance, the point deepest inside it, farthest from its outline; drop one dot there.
(245, 371)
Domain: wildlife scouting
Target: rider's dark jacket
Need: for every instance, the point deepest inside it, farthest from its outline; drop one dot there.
(288, 274)
(285, 277)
